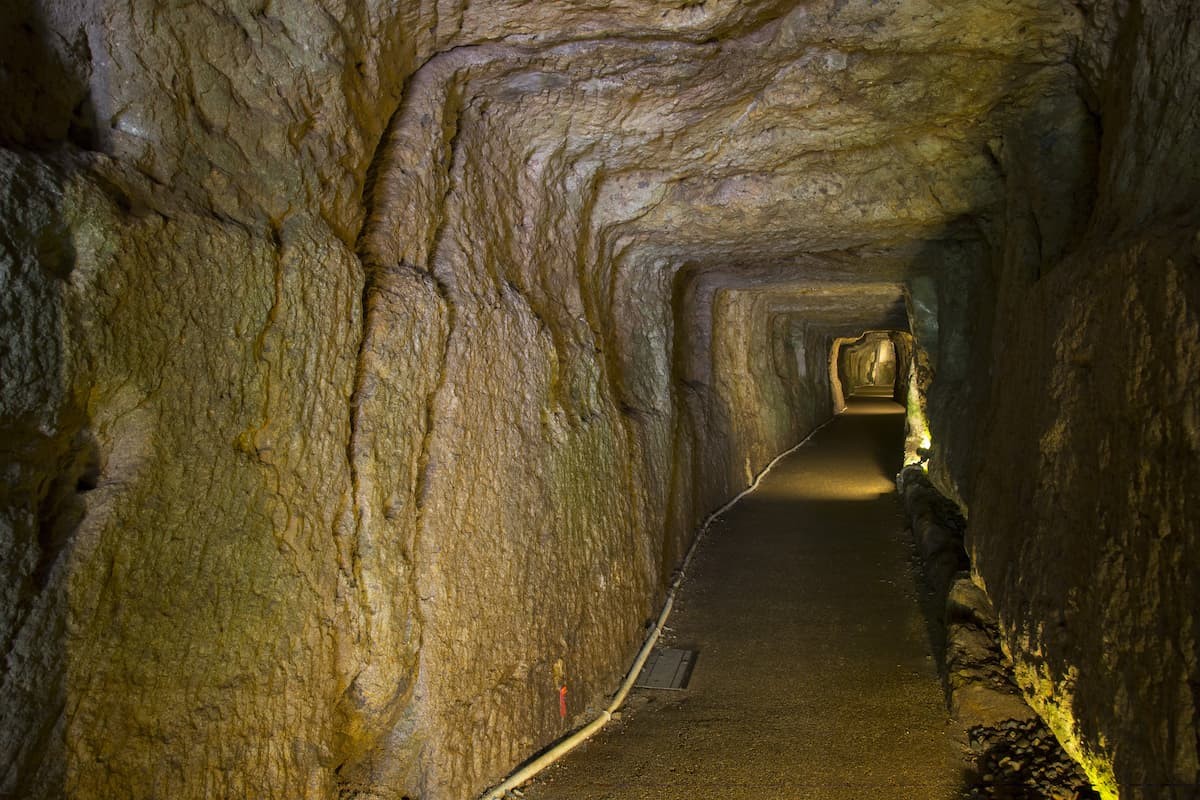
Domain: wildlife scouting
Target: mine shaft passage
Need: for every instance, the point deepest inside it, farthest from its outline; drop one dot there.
(815, 677)
(869, 365)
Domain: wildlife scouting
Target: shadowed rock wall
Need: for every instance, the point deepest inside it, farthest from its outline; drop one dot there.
(1084, 512)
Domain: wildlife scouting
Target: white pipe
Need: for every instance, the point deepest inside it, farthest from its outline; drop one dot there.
(577, 738)
(573, 740)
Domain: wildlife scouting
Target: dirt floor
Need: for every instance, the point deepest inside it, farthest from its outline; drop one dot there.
(815, 677)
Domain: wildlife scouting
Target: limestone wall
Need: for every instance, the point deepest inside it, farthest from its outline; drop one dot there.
(171, 524)
(1083, 501)
(295, 514)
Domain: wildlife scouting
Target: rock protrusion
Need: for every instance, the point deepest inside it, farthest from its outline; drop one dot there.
(1013, 754)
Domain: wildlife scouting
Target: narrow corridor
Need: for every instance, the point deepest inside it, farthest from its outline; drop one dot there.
(815, 678)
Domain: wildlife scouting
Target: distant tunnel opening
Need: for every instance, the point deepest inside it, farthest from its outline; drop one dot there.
(875, 364)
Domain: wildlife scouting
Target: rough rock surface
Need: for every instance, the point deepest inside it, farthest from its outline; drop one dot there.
(877, 361)
(1011, 753)
(1083, 516)
(172, 533)
(362, 361)
(1019, 759)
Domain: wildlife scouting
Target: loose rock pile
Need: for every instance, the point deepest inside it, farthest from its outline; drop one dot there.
(1021, 760)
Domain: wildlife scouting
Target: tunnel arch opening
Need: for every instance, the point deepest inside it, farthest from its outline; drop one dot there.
(876, 363)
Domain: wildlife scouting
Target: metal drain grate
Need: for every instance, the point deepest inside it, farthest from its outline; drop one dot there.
(667, 668)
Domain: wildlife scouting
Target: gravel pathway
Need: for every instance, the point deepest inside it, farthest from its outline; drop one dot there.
(815, 678)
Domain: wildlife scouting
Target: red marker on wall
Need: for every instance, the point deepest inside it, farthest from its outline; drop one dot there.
(562, 702)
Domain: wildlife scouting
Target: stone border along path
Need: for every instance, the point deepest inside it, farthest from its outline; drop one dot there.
(816, 677)
(1014, 755)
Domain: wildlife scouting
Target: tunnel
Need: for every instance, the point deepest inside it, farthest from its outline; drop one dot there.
(384, 384)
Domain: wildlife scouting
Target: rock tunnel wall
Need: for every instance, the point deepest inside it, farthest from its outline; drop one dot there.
(1083, 509)
(170, 539)
(187, 592)
(297, 513)
(363, 362)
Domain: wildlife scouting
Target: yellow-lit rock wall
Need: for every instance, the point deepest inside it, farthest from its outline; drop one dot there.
(291, 515)
(175, 519)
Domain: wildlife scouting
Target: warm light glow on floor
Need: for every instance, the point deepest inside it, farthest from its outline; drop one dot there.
(857, 405)
(851, 488)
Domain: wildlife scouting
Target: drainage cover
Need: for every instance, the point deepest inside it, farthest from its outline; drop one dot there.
(667, 668)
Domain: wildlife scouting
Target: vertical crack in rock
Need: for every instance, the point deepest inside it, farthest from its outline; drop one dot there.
(379, 696)
(424, 466)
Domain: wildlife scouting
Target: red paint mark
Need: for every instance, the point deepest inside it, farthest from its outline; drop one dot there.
(562, 702)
